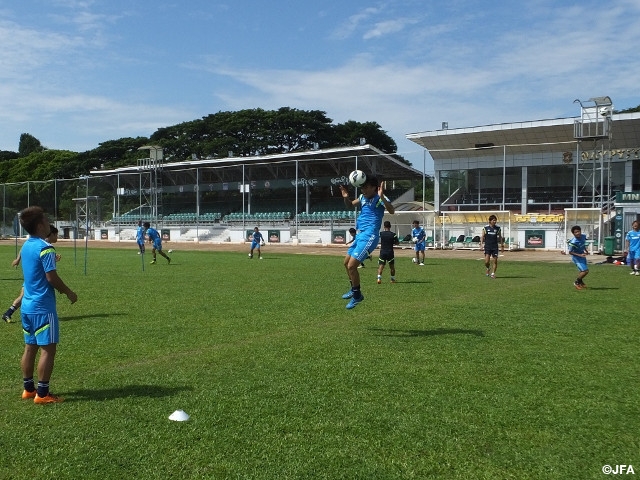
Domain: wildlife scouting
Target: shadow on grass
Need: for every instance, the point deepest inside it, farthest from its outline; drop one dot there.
(387, 332)
(413, 281)
(514, 276)
(148, 391)
(602, 288)
(93, 315)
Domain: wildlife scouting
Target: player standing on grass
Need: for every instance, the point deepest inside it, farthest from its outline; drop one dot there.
(632, 241)
(491, 238)
(373, 204)
(419, 237)
(39, 316)
(578, 251)
(256, 240)
(140, 237)
(387, 240)
(51, 238)
(156, 240)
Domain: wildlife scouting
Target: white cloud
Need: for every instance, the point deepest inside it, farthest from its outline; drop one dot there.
(352, 24)
(386, 27)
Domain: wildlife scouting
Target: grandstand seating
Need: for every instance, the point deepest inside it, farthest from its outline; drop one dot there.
(260, 217)
(323, 217)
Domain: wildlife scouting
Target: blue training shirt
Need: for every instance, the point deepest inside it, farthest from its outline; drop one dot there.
(38, 258)
(578, 245)
(140, 234)
(633, 238)
(370, 218)
(154, 236)
(419, 233)
(257, 237)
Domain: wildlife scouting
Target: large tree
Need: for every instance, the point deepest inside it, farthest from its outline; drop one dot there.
(29, 144)
(261, 132)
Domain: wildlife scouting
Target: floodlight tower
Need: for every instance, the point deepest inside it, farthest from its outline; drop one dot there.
(87, 210)
(151, 180)
(594, 125)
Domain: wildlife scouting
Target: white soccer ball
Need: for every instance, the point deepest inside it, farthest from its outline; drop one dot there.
(357, 178)
(414, 260)
(170, 251)
(415, 239)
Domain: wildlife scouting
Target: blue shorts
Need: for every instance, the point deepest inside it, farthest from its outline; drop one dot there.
(140, 242)
(420, 247)
(157, 244)
(581, 263)
(40, 329)
(255, 244)
(363, 245)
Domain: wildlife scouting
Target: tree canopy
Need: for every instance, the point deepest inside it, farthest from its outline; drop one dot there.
(263, 132)
(243, 133)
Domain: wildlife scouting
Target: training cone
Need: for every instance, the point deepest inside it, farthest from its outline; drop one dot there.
(179, 416)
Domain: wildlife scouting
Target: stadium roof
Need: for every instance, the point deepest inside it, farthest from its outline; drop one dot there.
(533, 135)
(321, 162)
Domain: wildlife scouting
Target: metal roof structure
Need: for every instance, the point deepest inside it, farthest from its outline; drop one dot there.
(532, 136)
(322, 163)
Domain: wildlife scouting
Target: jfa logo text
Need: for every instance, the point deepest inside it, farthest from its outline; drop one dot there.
(618, 470)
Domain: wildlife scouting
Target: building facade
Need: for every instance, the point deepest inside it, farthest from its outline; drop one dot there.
(542, 166)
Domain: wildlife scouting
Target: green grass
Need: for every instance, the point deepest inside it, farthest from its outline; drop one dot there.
(446, 374)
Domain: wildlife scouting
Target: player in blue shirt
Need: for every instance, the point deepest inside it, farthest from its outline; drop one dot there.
(419, 237)
(491, 239)
(51, 238)
(38, 310)
(633, 247)
(578, 251)
(156, 241)
(256, 240)
(140, 237)
(373, 204)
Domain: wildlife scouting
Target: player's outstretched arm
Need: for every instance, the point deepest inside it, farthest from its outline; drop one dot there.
(345, 196)
(387, 204)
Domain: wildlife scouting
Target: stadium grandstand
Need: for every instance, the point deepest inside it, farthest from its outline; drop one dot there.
(537, 170)
(219, 199)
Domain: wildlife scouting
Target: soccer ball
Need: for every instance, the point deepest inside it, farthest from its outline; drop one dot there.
(413, 259)
(357, 178)
(170, 251)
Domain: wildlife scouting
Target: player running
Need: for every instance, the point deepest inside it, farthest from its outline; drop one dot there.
(156, 240)
(491, 238)
(578, 251)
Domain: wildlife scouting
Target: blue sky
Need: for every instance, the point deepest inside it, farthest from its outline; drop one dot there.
(75, 73)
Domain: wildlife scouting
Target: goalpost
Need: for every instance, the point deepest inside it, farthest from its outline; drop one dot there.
(401, 224)
(443, 227)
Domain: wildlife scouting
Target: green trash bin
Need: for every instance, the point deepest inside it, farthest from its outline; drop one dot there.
(609, 243)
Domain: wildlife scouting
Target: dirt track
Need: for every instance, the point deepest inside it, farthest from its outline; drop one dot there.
(529, 255)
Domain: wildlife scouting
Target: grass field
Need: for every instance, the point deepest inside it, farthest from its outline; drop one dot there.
(446, 374)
